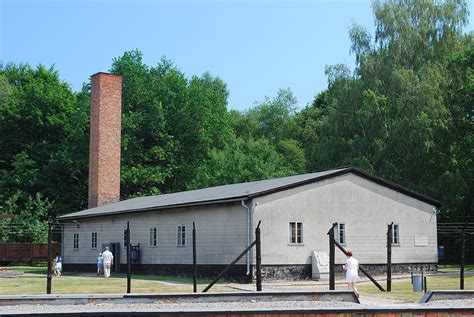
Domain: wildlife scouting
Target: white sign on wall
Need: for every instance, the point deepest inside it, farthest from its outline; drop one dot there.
(421, 240)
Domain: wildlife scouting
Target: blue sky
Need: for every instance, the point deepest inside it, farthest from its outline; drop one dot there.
(256, 47)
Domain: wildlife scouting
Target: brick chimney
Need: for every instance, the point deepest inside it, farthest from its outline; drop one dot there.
(105, 136)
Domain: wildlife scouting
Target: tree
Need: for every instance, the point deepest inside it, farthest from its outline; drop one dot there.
(30, 224)
(242, 161)
(147, 148)
(413, 33)
(456, 183)
(394, 116)
(273, 121)
(204, 126)
(42, 130)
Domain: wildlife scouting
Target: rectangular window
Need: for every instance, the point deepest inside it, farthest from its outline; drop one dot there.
(340, 233)
(125, 238)
(181, 236)
(76, 241)
(296, 232)
(94, 240)
(152, 237)
(396, 234)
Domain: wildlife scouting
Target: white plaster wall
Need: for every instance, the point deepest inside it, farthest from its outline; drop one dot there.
(220, 234)
(364, 206)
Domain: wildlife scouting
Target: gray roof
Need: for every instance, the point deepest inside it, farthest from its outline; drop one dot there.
(229, 193)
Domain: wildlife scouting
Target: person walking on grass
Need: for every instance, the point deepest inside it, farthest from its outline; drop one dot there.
(352, 272)
(107, 258)
(100, 265)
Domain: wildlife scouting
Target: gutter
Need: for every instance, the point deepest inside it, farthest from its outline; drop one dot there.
(151, 208)
(249, 234)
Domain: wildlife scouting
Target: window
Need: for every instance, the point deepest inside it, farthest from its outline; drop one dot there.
(396, 234)
(340, 233)
(152, 237)
(181, 236)
(94, 240)
(76, 241)
(125, 238)
(296, 232)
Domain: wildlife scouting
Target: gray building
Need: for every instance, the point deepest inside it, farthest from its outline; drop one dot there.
(296, 214)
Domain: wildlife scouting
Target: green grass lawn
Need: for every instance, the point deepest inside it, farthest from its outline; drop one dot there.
(85, 285)
(34, 282)
(403, 289)
(455, 267)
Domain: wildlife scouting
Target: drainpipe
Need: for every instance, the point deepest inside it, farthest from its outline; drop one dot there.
(249, 233)
(62, 240)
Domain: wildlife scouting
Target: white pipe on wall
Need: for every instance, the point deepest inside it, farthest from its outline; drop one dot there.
(249, 234)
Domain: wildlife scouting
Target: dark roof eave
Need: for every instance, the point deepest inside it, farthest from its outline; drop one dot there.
(121, 212)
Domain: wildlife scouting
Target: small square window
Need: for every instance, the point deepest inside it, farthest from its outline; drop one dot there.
(296, 232)
(152, 237)
(181, 236)
(94, 240)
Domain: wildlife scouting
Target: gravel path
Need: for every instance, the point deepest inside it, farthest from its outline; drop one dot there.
(174, 306)
(366, 302)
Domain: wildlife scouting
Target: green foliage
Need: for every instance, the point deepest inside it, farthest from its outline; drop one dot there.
(406, 112)
(413, 33)
(43, 148)
(204, 126)
(243, 161)
(29, 224)
(147, 149)
(272, 119)
(169, 124)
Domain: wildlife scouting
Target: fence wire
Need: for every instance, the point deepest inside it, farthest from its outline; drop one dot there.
(219, 242)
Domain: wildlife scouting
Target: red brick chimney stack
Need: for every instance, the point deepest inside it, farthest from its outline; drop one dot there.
(105, 136)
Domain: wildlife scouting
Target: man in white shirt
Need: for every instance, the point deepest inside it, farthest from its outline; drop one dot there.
(107, 258)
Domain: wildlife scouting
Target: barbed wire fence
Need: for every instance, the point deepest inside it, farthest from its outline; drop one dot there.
(165, 248)
(160, 247)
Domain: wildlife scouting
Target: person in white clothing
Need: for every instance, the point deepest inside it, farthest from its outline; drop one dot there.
(107, 258)
(352, 272)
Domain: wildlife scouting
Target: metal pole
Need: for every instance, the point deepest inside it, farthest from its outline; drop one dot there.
(389, 257)
(422, 278)
(463, 257)
(129, 267)
(221, 274)
(332, 258)
(259, 258)
(50, 256)
(194, 260)
(361, 268)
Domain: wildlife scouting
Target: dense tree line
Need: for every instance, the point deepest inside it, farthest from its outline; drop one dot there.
(405, 114)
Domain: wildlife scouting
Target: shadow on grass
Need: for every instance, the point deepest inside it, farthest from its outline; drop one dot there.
(40, 270)
(171, 279)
